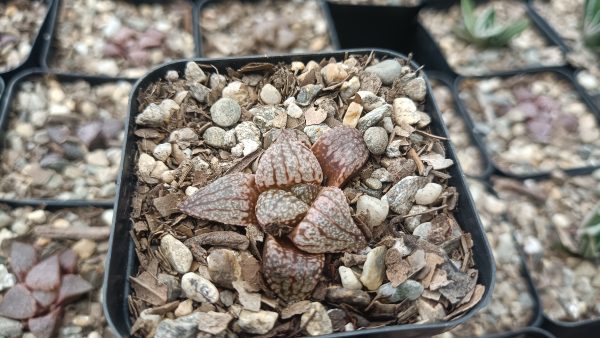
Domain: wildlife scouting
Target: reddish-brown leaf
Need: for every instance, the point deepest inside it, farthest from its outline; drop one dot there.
(230, 199)
(23, 257)
(18, 303)
(289, 272)
(328, 225)
(45, 276)
(341, 153)
(44, 327)
(286, 163)
(278, 211)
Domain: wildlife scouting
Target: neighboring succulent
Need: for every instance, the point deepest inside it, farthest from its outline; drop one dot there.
(304, 221)
(589, 243)
(591, 25)
(482, 30)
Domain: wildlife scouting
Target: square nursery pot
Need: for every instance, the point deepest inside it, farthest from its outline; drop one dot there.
(122, 261)
(48, 48)
(530, 332)
(325, 10)
(37, 44)
(445, 80)
(429, 53)
(389, 27)
(5, 117)
(562, 73)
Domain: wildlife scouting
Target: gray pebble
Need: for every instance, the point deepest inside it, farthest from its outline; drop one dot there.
(182, 327)
(307, 94)
(369, 100)
(193, 73)
(374, 117)
(10, 328)
(416, 89)
(270, 95)
(402, 195)
(198, 288)
(178, 255)
(199, 91)
(376, 139)
(247, 131)
(315, 131)
(225, 112)
(259, 322)
(373, 183)
(214, 137)
(229, 139)
(172, 76)
(382, 175)
(387, 70)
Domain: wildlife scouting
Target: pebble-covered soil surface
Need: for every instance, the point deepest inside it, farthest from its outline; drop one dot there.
(211, 146)
(119, 37)
(547, 215)
(51, 270)
(566, 18)
(470, 157)
(236, 27)
(533, 123)
(63, 140)
(381, 2)
(526, 50)
(20, 22)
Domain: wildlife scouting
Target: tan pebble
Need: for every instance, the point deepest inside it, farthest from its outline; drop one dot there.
(352, 114)
(315, 116)
(84, 248)
(184, 308)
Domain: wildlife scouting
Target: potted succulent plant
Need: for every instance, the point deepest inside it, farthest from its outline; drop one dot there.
(260, 205)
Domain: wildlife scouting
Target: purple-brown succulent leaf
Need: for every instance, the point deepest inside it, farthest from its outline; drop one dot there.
(278, 211)
(230, 199)
(341, 153)
(289, 272)
(328, 225)
(286, 163)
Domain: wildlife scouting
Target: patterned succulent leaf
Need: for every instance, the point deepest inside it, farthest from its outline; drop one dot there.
(591, 25)
(230, 199)
(341, 153)
(286, 163)
(289, 272)
(328, 225)
(278, 211)
(589, 243)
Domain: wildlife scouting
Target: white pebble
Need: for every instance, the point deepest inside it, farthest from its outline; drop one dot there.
(428, 194)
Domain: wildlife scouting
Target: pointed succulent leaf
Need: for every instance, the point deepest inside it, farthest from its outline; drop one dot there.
(591, 25)
(278, 211)
(341, 153)
(467, 9)
(289, 272)
(230, 199)
(328, 225)
(306, 192)
(286, 163)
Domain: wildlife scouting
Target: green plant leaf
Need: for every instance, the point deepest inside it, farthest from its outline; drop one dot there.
(467, 8)
(591, 25)
(485, 21)
(589, 233)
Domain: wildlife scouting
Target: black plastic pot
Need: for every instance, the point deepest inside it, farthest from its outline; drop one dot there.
(562, 72)
(1, 90)
(122, 261)
(47, 49)
(38, 43)
(333, 36)
(5, 111)
(370, 26)
(433, 55)
(530, 332)
(546, 27)
(445, 79)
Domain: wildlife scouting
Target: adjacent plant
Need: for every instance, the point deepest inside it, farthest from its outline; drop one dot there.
(589, 243)
(482, 30)
(303, 220)
(591, 25)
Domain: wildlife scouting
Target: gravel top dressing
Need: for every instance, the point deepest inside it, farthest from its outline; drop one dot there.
(294, 199)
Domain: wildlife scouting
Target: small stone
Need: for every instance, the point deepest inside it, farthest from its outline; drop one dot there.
(198, 288)
(82, 320)
(214, 137)
(178, 255)
(270, 95)
(349, 279)
(374, 268)
(225, 112)
(428, 194)
(193, 73)
(183, 137)
(350, 87)
(416, 89)
(387, 70)
(214, 323)
(229, 140)
(182, 327)
(373, 183)
(7, 280)
(162, 151)
(265, 116)
(84, 248)
(259, 322)
(423, 230)
(172, 76)
(374, 117)
(382, 175)
(37, 216)
(410, 290)
(237, 91)
(24, 130)
(333, 73)
(437, 161)
(250, 146)
(223, 267)
(238, 150)
(315, 116)
(294, 111)
(189, 191)
(153, 116)
(247, 131)
(316, 321)
(184, 308)
(402, 194)
(405, 111)
(200, 92)
(97, 158)
(10, 328)
(375, 209)
(352, 114)
(316, 131)
(307, 94)
(424, 120)
(200, 164)
(370, 101)
(376, 139)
